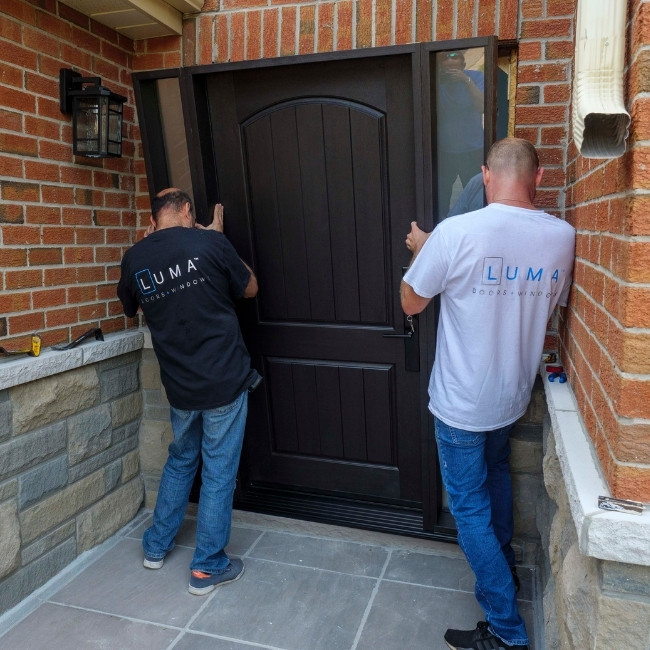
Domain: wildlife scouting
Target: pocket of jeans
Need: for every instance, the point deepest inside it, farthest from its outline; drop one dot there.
(458, 437)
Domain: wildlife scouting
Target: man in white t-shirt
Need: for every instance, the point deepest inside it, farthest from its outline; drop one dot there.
(500, 271)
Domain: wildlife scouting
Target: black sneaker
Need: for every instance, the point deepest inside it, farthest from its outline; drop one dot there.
(479, 639)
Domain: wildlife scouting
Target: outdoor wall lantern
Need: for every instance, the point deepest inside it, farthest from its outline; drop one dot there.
(96, 115)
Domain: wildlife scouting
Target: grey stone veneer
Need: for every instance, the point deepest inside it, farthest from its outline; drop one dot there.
(69, 459)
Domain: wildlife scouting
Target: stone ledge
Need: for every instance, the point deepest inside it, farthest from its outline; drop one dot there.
(603, 534)
(21, 370)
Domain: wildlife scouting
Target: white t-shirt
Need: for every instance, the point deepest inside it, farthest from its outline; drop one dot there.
(500, 271)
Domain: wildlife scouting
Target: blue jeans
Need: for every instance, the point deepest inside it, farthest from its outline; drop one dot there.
(476, 473)
(217, 436)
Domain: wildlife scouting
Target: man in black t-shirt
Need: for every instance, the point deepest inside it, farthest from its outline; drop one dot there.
(186, 279)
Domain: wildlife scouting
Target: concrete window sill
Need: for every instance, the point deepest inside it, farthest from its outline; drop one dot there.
(15, 371)
(603, 534)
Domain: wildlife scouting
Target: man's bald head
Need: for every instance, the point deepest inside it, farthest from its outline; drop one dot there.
(170, 203)
(514, 157)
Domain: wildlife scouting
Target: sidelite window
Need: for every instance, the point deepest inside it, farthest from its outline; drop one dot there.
(321, 163)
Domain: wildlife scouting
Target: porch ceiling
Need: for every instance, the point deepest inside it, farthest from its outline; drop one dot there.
(138, 19)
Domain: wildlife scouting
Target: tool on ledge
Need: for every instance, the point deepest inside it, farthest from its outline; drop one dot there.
(33, 351)
(96, 331)
(550, 358)
(621, 505)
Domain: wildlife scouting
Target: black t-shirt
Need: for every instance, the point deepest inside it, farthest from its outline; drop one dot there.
(186, 282)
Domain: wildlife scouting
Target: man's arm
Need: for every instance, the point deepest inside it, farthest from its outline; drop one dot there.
(412, 303)
(217, 225)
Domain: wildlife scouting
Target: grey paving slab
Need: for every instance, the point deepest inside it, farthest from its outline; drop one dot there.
(416, 617)
(193, 641)
(241, 539)
(289, 607)
(57, 627)
(430, 570)
(319, 553)
(117, 583)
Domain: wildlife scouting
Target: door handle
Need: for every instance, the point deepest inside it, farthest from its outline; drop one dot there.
(411, 346)
(408, 335)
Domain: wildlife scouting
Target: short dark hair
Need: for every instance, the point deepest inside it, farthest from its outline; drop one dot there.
(174, 200)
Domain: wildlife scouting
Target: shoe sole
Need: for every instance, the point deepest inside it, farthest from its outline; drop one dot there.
(153, 564)
(201, 591)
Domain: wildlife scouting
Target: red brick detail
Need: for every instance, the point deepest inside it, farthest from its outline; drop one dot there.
(383, 22)
(325, 28)
(364, 23)
(424, 21)
(237, 36)
(486, 18)
(532, 9)
(25, 279)
(253, 35)
(344, 12)
(18, 144)
(29, 322)
(445, 20)
(465, 24)
(288, 31)
(508, 14)
(307, 29)
(44, 256)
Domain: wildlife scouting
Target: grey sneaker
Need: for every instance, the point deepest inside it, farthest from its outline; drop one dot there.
(153, 562)
(203, 583)
(479, 639)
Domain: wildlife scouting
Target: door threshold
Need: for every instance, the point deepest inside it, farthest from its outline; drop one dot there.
(343, 512)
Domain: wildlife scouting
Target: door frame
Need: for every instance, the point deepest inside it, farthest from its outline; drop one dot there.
(432, 522)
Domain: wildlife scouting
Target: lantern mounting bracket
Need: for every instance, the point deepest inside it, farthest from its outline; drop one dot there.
(70, 80)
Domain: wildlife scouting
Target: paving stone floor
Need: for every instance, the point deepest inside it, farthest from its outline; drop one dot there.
(306, 586)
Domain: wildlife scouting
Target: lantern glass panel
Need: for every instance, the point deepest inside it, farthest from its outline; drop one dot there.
(86, 125)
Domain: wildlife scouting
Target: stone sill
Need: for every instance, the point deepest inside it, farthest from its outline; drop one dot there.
(603, 534)
(23, 369)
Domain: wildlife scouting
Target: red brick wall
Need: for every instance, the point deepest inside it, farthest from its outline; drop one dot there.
(65, 221)
(59, 269)
(606, 340)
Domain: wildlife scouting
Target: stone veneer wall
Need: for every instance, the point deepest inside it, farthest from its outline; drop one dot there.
(69, 461)
(595, 564)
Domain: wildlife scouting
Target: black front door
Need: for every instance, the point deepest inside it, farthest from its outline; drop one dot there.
(321, 163)
(326, 179)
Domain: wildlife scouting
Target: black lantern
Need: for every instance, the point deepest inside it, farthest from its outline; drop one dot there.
(96, 115)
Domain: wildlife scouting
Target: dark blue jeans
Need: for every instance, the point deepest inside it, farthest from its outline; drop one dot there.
(476, 473)
(217, 436)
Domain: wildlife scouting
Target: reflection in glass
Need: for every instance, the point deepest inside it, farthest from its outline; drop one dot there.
(459, 109)
(171, 115)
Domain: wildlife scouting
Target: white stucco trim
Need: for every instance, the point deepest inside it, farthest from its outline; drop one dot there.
(15, 371)
(602, 534)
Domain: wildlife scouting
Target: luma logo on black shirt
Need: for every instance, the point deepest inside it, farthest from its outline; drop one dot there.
(151, 283)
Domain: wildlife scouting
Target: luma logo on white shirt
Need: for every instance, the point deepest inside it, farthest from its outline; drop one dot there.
(494, 273)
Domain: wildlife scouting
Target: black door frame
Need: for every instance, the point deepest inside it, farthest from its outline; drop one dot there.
(432, 521)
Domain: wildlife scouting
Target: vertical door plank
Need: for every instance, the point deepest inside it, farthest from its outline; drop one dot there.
(338, 157)
(328, 389)
(304, 382)
(353, 413)
(289, 200)
(379, 424)
(311, 147)
(258, 150)
(280, 381)
(366, 136)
